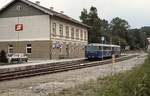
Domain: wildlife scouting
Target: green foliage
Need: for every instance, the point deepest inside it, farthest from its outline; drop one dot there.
(137, 39)
(131, 83)
(146, 30)
(99, 27)
(119, 28)
(115, 32)
(3, 56)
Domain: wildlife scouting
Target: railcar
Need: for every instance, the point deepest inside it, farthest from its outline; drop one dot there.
(95, 50)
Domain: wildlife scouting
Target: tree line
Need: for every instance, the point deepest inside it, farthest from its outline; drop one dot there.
(117, 31)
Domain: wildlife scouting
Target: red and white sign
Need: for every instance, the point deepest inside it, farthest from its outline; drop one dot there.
(19, 27)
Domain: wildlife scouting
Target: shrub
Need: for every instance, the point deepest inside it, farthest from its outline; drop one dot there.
(3, 56)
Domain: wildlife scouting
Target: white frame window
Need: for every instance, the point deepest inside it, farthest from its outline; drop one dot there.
(77, 34)
(67, 31)
(81, 34)
(10, 48)
(72, 33)
(85, 35)
(28, 49)
(61, 30)
(54, 29)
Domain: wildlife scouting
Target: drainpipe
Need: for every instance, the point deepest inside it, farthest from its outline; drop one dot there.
(50, 35)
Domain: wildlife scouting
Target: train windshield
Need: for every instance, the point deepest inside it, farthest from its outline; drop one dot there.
(115, 48)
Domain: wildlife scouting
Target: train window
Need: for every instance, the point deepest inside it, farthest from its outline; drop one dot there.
(106, 48)
(96, 48)
(100, 48)
(118, 49)
(113, 48)
(90, 48)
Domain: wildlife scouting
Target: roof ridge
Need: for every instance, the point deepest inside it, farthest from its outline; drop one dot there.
(48, 11)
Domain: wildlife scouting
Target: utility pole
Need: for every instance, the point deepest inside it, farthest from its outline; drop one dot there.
(18, 28)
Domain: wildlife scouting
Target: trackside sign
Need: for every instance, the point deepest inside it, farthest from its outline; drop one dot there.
(19, 27)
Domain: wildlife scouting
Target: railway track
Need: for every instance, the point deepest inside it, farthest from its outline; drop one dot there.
(54, 68)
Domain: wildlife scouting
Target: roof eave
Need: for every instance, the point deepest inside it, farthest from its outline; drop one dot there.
(36, 6)
(6, 5)
(45, 11)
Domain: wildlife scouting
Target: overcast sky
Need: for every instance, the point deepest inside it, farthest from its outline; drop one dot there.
(136, 12)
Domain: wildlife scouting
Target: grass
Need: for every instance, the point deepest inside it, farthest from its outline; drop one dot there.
(131, 83)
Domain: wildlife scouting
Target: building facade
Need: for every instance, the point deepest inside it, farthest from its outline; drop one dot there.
(41, 33)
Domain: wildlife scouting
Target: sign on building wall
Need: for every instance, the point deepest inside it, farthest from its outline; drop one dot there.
(19, 27)
(57, 45)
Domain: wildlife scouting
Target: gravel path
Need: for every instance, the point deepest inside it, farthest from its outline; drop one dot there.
(41, 85)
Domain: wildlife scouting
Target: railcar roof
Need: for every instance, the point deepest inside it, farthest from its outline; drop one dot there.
(106, 45)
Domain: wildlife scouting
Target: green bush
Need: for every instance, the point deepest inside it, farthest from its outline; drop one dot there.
(3, 56)
(132, 83)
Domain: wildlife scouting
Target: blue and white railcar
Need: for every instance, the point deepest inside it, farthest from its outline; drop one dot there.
(95, 50)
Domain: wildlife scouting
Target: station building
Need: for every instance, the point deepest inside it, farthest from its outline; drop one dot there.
(39, 32)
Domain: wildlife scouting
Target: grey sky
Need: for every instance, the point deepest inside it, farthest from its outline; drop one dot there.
(136, 12)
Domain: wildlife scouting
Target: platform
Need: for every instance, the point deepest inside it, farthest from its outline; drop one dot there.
(35, 63)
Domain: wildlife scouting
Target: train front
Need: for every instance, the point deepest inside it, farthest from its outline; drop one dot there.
(91, 52)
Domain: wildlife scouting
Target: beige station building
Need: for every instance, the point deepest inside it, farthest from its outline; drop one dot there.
(41, 33)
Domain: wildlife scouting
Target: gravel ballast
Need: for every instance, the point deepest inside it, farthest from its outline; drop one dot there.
(42, 85)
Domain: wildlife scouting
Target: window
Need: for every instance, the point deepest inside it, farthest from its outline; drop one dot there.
(54, 29)
(29, 49)
(81, 34)
(61, 30)
(72, 33)
(85, 35)
(10, 49)
(106, 48)
(19, 8)
(67, 32)
(77, 34)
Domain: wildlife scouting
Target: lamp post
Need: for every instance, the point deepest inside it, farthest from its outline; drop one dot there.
(102, 38)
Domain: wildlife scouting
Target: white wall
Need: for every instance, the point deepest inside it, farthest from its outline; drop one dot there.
(34, 28)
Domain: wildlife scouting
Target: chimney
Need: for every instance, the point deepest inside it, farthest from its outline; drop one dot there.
(51, 8)
(62, 12)
(37, 2)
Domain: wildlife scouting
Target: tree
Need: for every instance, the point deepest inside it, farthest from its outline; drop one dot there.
(137, 39)
(105, 31)
(98, 26)
(117, 32)
(119, 28)
(84, 17)
(133, 38)
(146, 30)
